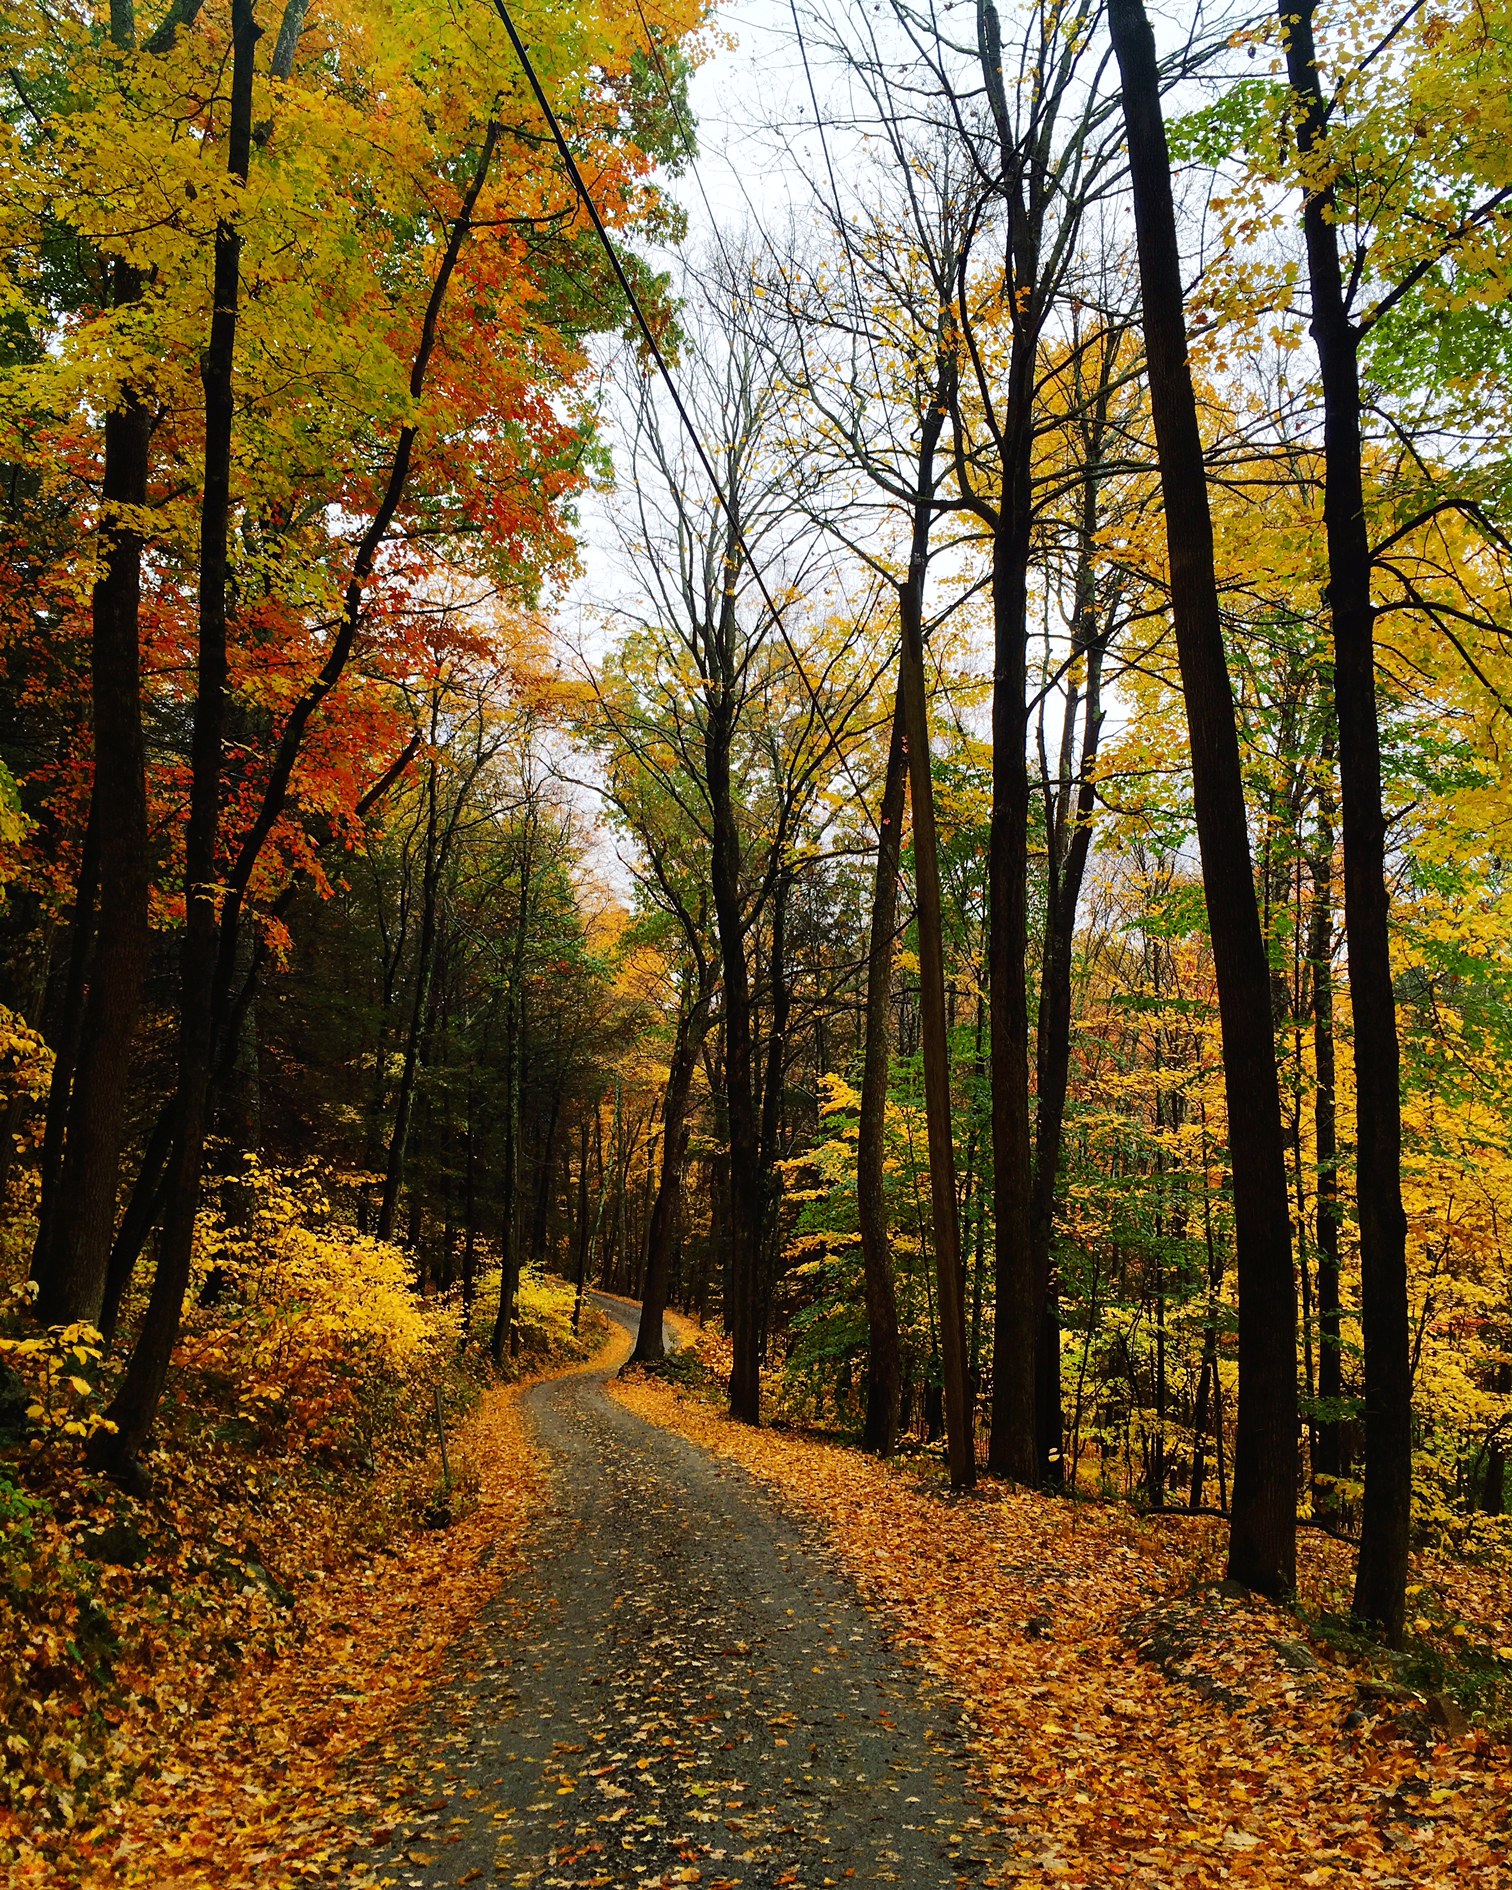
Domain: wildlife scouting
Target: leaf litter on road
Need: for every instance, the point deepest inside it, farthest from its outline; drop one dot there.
(261, 1790)
(1135, 1720)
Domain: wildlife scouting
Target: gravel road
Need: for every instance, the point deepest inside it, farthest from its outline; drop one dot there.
(679, 1688)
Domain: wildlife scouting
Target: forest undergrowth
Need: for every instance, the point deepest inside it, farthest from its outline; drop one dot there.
(188, 1678)
(1134, 1718)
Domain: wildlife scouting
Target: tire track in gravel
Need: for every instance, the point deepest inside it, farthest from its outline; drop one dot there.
(678, 1688)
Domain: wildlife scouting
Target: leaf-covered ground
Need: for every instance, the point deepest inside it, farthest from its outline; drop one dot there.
(1136, 1722)
(1132, 1720)
(238, 1765)
(299, 1436)
(673, 1690)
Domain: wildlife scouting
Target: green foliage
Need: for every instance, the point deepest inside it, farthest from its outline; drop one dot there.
(1244, 118)
(20, 1514)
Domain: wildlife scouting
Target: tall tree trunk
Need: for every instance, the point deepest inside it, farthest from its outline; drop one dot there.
(425, 955)
(540, 1229)
(1018, 1313)
(1329, 1465)
(514, 1023)
(884, 1378)
(291, 739)
(1019, 1293)
(746, 1216)
(1262, 1538)
(70, 1037)
(1380, 1595)
(470, 1210)
(580, 1232)
(509, 1188)
(773, 1099)
(662, 1237)
(1200, 1429)
(1494, 1489)
(74, 1237)
(290, 743)
(135, 1404)
(1068, 853)
(73, 1244)
(960, 1444)
(144, 1208)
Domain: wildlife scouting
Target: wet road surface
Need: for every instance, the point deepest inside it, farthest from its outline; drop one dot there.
(678, 1688)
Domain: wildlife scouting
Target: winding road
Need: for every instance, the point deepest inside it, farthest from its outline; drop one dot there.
(679, 1688)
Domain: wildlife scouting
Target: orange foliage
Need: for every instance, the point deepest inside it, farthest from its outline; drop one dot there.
(1129, 1732)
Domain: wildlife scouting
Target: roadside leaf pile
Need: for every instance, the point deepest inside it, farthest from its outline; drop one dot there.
(1135, 1720)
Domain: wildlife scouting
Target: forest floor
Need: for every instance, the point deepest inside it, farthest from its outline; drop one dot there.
(667, 1649)
(256, 1731)
(1133, 1719)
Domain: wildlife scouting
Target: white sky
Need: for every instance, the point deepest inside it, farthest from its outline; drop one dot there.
(748, 173)
(759, 164)
(745, 174)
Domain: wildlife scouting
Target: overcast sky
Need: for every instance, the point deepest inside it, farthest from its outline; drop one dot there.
(752, 119)
(759, 163)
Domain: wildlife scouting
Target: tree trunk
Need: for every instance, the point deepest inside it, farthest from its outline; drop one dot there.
(286, 752)
(509, 1252)
(514, 1021)
(773, 1099)
(1330, 1463)
(308, 704)
(746, 1217)
(70, 1032)
(135, 1404)
(73, 1252)
(540, 1231)
(425, 954)
(581, 1231)
(1380, 1595)
(662, 1237)
(1068, 853)
(73, 1245)
(884, 1381)
(470, 1212)
(1199, 1430)
(1020, 1291)
(1018, 1313)
(960, 1445)
(1262, 1539)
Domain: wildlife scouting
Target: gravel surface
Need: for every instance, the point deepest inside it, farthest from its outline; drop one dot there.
(679, 1689)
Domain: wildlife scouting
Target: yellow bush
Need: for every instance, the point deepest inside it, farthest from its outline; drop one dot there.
(54, 1368)
(307, 1324)
(543, 1315)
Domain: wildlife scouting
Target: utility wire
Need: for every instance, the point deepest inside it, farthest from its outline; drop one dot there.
(628, 288)
(691, 148)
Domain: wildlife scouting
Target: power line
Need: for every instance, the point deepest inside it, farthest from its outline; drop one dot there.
(841, 229)
(628, 288)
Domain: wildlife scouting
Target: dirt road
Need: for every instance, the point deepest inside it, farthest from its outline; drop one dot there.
(678, 1689)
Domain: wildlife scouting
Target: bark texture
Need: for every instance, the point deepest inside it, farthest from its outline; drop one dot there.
(960, 1442)
(1380, 1596)
(884, 1383)
(137, 1397)
(73, 1244)
(1019, 1289)
(1262, 1538)
(661, 1239)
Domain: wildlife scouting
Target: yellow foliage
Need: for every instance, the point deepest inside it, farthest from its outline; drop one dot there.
(50, 1365)
(301, 1318)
